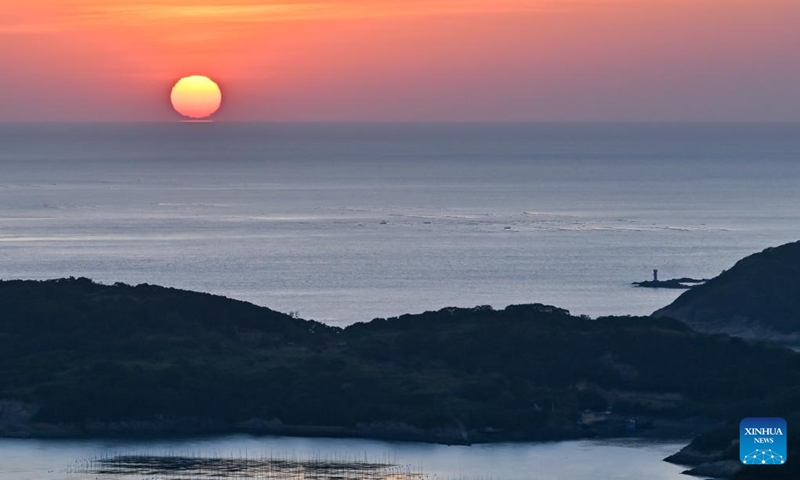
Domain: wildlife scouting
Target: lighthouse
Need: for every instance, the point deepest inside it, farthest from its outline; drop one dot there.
(655, 275)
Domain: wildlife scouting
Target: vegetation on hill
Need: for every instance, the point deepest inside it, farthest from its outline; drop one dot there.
(758, 298)
(93, 358)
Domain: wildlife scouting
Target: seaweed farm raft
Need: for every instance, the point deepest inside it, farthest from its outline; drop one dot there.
(169, 467)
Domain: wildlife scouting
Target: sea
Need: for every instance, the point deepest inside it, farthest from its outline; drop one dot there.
(344, 223)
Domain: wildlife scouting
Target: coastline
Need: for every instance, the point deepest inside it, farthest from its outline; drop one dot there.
(16, 423)
(22, 427)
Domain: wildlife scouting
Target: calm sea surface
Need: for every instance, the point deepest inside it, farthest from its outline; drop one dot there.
(351, 222)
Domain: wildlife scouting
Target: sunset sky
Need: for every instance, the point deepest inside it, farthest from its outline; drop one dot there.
(404, 60)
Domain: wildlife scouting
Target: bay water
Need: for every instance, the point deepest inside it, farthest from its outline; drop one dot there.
(607, 459)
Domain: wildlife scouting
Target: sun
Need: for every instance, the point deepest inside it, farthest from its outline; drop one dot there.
(196, 97)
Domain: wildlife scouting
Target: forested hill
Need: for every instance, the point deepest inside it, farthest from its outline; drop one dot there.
(79, 358)
(758, 298)
(79, 309)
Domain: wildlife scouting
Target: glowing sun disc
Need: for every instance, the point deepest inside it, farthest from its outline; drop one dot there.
(196, 97)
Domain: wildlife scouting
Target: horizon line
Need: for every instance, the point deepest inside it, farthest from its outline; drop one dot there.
(399, 122)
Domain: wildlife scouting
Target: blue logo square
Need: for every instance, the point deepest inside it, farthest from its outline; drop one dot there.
(762, 441)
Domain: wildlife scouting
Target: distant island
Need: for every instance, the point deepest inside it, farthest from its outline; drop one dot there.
(684, 283)
(675, 283)
(81, 358)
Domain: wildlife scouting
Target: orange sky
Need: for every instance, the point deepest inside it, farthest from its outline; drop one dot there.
(407, 60)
